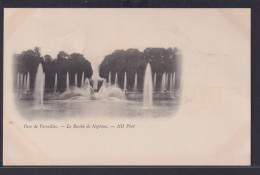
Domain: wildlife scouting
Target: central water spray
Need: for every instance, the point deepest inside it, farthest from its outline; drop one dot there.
(116, 81)
(163, 82)
(76, 80)
(109, 79)
(39, 85)
(28, 82)
(68, 82)
(125, 82)
(55, 83)
(82, 79)
(148, 88)
(135, 83)
(154, 81)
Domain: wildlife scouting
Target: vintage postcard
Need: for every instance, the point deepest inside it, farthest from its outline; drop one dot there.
(126, 87)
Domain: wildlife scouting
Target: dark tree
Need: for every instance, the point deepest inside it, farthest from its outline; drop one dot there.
(78, 65)
(133, 61)
(49, 69)
(28, 61)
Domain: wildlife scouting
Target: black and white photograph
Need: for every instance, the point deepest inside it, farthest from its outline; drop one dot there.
(127, 83)
(105, 86)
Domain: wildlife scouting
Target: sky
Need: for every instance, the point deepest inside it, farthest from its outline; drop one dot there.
(92, 32)
(96, 33)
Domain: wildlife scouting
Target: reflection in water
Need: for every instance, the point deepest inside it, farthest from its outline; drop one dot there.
(93, 108)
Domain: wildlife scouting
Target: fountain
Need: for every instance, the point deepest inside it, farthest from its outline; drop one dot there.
(109, 79)
(125, 82)
(163, 83)
(170, 88)
(67, 82)
(116, 81)
(173, 81)
(148, 88)
(135, 83)
(43, 80)
(95, 84)
(134, 97)
(39, 85)
(76, 80)
(17, 84)
(86, 83)
(82, 79)
(55, 83)
(166, 81)
(154, 81)
(89, 91)
(21, 82)
(28, 82)
(88, 87)
(101, 87)
(24, 81)
(18, 81)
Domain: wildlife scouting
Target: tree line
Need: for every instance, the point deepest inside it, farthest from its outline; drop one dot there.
(133, 61)
(29, 60)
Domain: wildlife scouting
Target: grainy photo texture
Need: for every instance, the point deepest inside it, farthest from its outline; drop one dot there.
(126, 86)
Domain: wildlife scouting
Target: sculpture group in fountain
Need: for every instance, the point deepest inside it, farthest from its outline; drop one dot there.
(86, 91)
